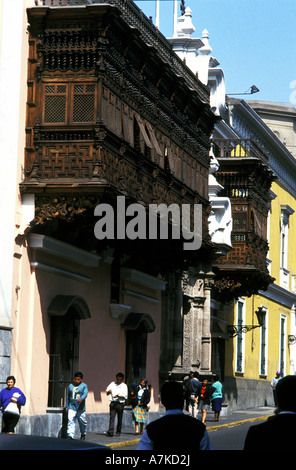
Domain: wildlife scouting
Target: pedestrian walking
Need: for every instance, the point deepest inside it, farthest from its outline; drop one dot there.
(175, 432)
(217, 397)
(75, 406)
(186, 390)
(204, 398)
(273, 385)
(194, 386)
(11, 401)
(141, 410)
(278, 431)
(118, 394)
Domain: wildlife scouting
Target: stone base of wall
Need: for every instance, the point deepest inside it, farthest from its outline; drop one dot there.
(241, 394)
(51, 423)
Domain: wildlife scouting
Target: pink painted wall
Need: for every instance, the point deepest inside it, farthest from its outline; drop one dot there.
(102, 339)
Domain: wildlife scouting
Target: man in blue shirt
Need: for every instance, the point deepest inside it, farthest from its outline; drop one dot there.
(75, 405)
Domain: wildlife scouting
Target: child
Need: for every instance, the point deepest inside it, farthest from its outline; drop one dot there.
(75, 405)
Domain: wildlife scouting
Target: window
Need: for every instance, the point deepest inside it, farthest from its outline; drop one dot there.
(136, 350)
(55, 104)
(218, 357)
(286, 211)
(83, 103)
(69, 103)
(269, 240)
(284, 239)
(239, 366)
(263, 346)
(64, 356)
(282, 345)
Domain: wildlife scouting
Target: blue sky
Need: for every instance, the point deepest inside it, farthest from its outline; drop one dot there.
(254, 41)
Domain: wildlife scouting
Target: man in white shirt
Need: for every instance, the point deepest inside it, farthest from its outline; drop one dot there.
(118, 393)
(273, 385)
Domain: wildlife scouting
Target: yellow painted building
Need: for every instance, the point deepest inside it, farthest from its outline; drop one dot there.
(255, 354)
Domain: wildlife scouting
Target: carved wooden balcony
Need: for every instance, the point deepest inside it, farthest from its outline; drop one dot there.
(246, 179)
(111, 110)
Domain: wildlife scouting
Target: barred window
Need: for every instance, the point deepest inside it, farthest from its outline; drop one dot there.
(83, 103)
(69, 103)
(55, 104)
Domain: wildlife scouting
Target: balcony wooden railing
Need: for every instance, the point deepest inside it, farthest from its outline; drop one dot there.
(246, 179)
(238, 148)
(151, 35)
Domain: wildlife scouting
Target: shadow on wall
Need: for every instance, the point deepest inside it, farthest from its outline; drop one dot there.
(242, 393)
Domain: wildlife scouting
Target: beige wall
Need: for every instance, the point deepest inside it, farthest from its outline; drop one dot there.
(102, 339)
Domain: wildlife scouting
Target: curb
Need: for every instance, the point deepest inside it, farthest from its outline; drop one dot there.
(237, 423)
(211, 428)
(123, 444)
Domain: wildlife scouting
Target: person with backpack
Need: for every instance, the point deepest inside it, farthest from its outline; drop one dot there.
(175, 432)
(132, 399)
(141, 410)
(204, 398)
(194, 386)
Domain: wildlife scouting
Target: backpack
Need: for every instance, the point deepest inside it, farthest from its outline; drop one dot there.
(194, 386)
(145, 398)
(132, 398)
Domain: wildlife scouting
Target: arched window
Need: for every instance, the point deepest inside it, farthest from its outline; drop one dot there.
(65, 312)
(137, 326)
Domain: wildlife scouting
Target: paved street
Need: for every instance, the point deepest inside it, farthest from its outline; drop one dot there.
(230, 438)
(228, 434)
(224, 438)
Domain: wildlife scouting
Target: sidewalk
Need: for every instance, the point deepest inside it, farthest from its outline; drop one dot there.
(128, 438)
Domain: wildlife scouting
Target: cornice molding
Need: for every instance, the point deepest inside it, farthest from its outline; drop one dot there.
(279, 295)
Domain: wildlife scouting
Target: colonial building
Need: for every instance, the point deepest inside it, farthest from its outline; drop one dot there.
(195, 53)
(259, 352)
(115, 123)
(119, 133)
(281, 118)
(241, 179)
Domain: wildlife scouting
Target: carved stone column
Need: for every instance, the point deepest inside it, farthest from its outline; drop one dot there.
(186, 338)
(205, 366)
(193, 307)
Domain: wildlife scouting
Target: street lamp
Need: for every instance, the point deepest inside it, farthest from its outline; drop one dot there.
(291, 339)
(234, 330)
(253, 89)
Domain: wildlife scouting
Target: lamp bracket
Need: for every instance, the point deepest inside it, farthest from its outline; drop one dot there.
(291, 339)
(234, 330)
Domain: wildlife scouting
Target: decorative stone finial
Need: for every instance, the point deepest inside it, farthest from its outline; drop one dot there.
(206, 49)
(185, 27)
